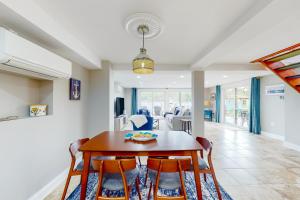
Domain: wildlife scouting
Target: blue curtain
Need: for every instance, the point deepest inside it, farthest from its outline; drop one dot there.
(254, 118)
(218, 103)
(134, 101)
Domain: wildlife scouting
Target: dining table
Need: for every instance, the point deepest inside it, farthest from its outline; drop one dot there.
(167, 143)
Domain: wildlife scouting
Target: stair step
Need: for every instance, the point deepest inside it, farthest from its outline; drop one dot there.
(285, 56)
(292, 66)
(293, 77)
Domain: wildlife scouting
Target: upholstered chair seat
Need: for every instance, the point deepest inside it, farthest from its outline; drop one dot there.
(169, 181)
(114, 181)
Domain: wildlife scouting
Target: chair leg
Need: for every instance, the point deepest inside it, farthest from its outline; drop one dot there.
(66, 187)
(138, 188)
(149, 194)
(216, 185)
(146, 177)
(140, 163)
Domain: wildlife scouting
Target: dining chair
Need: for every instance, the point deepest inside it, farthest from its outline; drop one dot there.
(167, 174)
(77, 167)
(207, 167)
(155, 157)
(116, 175)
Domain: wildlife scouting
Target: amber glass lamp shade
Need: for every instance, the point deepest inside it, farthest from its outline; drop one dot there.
(142, 63)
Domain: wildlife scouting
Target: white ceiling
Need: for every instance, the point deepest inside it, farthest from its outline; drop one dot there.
(197, 34)
(181, 79)
(190, 27)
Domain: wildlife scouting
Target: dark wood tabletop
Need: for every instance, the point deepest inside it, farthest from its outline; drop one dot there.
(113, 143)
(166, 141)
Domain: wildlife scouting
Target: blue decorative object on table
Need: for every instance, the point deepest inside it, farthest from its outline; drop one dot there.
(141, 136)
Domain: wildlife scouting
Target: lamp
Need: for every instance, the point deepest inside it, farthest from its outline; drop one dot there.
(142, 63)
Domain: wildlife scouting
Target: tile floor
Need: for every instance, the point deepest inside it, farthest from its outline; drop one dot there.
(249, 167)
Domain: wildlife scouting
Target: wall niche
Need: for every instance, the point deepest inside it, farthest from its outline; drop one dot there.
(18, 92)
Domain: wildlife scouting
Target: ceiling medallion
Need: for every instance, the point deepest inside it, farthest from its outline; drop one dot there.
(153, 23)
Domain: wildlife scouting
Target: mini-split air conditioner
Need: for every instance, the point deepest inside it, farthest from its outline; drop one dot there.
(21, 56)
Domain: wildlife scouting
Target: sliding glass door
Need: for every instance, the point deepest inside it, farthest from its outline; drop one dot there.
(229, 106)
(236, 106)
(242, 106)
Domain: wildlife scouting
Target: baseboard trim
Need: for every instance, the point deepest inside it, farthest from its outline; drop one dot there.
(292, 146)
(52, 185)
(272, 135)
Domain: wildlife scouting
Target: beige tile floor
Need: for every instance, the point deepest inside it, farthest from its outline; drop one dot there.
(249, 167)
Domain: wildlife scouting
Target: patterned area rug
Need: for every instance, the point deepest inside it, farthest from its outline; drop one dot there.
(208, 189)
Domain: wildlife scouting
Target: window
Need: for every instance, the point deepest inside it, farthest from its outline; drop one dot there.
(163, 100)
(158, 102)
(173, 100)
(146, 99)
(186, 99)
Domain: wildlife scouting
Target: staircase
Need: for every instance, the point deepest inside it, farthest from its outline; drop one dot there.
(286, 64)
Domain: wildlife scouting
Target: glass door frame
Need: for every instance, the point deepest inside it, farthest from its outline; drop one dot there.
(234, 86)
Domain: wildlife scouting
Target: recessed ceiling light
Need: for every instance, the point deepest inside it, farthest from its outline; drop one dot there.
(138, 77)
(181, 76)
(225, 76)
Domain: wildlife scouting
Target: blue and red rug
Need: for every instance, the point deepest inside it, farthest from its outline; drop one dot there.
(208, 189)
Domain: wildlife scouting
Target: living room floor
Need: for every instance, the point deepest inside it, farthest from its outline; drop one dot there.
(249, 167)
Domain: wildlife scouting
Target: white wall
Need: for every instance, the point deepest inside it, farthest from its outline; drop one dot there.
(35, 150)
(16, 97)
(198, 103)
(101, 100)
(292, 119)
(119, 91)
(127, 96)
(272, 108)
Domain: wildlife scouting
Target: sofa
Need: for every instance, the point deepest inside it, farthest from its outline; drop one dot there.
(143, 111)
(173, 118)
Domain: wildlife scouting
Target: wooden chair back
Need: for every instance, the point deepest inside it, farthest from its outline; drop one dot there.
(74, 147)
(113, 167)
(169, 166)
(207, 146)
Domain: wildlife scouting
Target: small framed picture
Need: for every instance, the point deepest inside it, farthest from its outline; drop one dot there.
(75, 88)
(38, 110)
(275, 90)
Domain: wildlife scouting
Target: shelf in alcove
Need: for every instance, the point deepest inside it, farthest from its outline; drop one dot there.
(18, 92)
(25, 117)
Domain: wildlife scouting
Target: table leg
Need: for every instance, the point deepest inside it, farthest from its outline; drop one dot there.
(85, 174)
(197, 174)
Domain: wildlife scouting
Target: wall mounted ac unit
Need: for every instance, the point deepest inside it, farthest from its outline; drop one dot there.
(21, 56)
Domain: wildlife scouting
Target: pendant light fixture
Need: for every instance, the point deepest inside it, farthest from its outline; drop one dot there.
(142, 63)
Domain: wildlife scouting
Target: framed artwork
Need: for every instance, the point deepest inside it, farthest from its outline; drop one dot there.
(38, 110)
(275, 90)
(75, 88)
